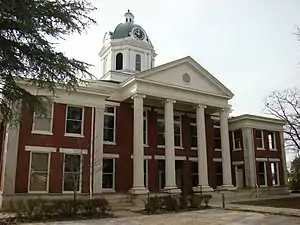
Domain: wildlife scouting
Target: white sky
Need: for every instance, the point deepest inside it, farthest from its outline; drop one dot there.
(249, 45)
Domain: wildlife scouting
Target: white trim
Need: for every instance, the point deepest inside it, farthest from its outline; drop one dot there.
(193, 159)
(180, 126)
(44, 132)
(235, 163)
(145, 118)
(180, 157)
(80, 175)
(273, 136)
(113, 104)
(160, 157)
(217, 159)
(194, 148)
(218, 149)
(108, 143)
(48, 172)
(274, 159)
(233, 140)
(263, 140)
(277, 174)
(261, 159)
(72, 151)
(145, 157)
(265, 174)
(82, 122)
(161, 146)
(40, 149)
(110, 156)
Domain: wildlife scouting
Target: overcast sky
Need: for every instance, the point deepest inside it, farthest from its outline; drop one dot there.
(249, 45)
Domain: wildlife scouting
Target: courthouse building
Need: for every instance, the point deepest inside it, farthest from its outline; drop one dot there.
(141, 128)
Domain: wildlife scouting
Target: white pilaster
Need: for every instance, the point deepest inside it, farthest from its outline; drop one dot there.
(127, 59)
(249, 157)
(285, 177)
(138, 146)
(226, 161)
(202, 152)
(10, 156)
(170, 147)
(98, 150)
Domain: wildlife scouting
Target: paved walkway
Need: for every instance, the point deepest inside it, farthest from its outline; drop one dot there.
(205, 217)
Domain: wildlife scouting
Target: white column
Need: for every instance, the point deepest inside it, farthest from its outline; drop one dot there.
(285, 177)
(138, 146)
(127, 59)
(249, 157)
(170, 147)
(98, 150)
(202, 152)
(226, 161)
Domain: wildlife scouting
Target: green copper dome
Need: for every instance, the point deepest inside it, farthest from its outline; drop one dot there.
(123, 30)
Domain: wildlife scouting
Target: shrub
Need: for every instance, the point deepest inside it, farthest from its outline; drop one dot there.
(196, 201)
(153, 204)
(171, 203)
(184, 201)
(206, 199)
(295, 185)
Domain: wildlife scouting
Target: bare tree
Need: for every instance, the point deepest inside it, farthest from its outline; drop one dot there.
(285, 105)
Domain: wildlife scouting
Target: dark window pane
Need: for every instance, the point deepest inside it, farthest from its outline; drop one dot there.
(193, 120)
(262, 180)
(72, 163)
(193, 130)
(176, 128)
(108, 135)
(237, 134)
(161, 165)
(160, 116)
(218, 167)
(195, 180)
(177, 140)
(74, 113)
(160, 127)
(109, 121)
(74, 126)
(237, 143)
(217, 133)
(194, 141)
(108, 166)
(259, 143)
(107, 181)
(109, 109)
(261, 167)
(161, 139)
(176, 118)
(71, 182)
(218, 143)
(194, 166)
(138, 62)
(119, 61)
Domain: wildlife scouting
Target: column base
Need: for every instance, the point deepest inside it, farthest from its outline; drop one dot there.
(172, 190)
(139, 191)
(227, 187)
(204, 188)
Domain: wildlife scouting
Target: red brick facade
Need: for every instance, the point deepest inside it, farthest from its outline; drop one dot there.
(124, 148)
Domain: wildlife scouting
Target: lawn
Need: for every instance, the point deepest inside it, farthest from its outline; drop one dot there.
(293, 203)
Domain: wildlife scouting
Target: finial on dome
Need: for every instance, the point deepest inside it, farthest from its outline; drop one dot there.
(129, 17)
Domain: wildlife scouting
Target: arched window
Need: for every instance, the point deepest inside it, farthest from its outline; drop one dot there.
(119, 61)
(138, 62)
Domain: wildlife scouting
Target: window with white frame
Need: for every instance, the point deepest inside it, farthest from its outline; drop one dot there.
(193, 132)
(160, 129)
(177, 130)
(74, 120)
(109, 124)
(43, 123)
(138, 62)
(39, 172)
(259, 136)
(146, 173)
(194, 174)
(262, 176)
(217, 132)
(108, 175)
(275, 173)
(145, 127)
(237, 139)
(272, 140)
(72, 173)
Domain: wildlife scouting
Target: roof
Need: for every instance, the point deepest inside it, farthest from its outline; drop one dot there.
(256, 118)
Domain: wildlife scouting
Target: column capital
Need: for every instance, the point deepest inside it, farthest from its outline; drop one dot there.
(138, 95)
(201, 106)
(169, 101)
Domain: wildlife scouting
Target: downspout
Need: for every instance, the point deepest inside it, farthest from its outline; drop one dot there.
(92, 153)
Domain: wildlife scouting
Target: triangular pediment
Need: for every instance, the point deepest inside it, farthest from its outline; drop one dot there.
(188, 74)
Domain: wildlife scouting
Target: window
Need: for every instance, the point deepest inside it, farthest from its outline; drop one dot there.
(161, 174)
(145, 127)
(43, 123)
(74, 120)
(272, 141)
(177, 131)
(146, 173)
(262, 178)
(119, 61)
(160, 129)
(194, 174)
(72, 173)
(108, 179)
(217, 133)
(39, 171)
(138, 62)
(109, 124)
(259, 139)
(237, 139)
(275, 173)
(219, 173)
(193, 132)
